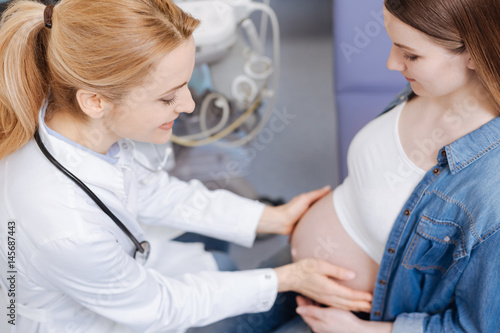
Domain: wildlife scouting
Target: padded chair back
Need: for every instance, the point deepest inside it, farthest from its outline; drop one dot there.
(363, 84)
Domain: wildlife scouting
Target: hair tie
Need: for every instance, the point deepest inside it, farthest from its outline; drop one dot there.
(47, 15)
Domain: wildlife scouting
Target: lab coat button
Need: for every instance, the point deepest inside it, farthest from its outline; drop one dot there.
(124, 146)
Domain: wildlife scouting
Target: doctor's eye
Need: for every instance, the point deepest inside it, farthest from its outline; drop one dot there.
(169, 101)
(410, 57)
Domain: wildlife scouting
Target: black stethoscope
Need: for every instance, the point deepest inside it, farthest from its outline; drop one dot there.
(143, 248)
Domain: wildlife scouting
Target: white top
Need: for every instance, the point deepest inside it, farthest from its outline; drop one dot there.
(74, 267)
(381, 179)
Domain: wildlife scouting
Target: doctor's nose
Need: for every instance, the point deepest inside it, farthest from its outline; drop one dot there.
(396, 61)
(186, 104)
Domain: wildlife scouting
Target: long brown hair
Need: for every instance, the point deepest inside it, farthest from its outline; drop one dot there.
(460, 25)
(106, 46)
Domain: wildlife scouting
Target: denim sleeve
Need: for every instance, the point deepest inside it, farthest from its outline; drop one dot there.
(409, 323)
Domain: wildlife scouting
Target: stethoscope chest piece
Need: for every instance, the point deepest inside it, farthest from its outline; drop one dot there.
(142, 257)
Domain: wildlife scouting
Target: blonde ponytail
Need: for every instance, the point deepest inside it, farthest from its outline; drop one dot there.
(23, 84)
(106, 46)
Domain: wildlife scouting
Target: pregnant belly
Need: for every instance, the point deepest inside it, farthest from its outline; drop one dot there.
(319, 234)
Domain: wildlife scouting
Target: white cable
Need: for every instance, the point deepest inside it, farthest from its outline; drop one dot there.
(259, 67)
(221, 103)
(205, 132)
(254, 38)
(244, 89)
(263, 23)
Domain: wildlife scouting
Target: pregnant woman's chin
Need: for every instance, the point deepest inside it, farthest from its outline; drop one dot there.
(319, 234)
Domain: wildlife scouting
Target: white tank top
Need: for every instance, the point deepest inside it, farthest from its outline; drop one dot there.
(380, 179)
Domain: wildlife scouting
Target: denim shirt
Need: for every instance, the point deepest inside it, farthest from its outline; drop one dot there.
(441, 266)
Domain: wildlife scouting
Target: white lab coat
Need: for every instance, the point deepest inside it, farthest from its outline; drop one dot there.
(75, 270)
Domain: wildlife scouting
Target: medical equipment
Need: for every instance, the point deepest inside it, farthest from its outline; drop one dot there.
(143, 248)
(243, 77)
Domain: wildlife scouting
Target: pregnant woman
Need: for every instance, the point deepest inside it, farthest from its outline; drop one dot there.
(418, 215)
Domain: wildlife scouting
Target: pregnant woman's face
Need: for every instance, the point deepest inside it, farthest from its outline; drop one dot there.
(431, 69)
(319, 234)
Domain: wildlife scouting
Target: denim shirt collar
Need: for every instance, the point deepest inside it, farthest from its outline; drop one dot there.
(471, 147)
(466, 150)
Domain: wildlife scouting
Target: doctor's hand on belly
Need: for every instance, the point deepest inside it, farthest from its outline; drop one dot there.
(315, 278)
(282, 219)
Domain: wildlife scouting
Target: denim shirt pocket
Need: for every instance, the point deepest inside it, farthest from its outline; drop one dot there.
(436, 246)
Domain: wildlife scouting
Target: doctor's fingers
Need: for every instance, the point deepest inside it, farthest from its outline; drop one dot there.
(326, 291)
(308, 198)
(314, 195)
(348, 305)
(341, 302)
(325, 268)
(324, 271)
(303, 301)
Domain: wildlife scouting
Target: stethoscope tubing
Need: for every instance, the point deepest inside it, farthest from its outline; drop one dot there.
(89, 192)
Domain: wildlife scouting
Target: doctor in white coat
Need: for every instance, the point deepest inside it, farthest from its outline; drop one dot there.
(89, 77)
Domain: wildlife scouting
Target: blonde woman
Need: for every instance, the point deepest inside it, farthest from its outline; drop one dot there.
(85, 78)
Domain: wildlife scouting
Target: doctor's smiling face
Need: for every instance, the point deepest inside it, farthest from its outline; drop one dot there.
(147, 113)
(431, 69)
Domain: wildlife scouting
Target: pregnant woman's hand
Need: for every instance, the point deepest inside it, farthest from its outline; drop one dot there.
(331, 320)
(317, 280)
(282, 219)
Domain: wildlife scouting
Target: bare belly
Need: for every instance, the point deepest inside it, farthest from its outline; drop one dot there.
(319, 234)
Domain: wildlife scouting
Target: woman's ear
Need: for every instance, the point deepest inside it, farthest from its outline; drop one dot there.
(92, 103)
(470, 63)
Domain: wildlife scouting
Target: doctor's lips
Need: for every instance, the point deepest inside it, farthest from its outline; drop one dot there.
(167, 126)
